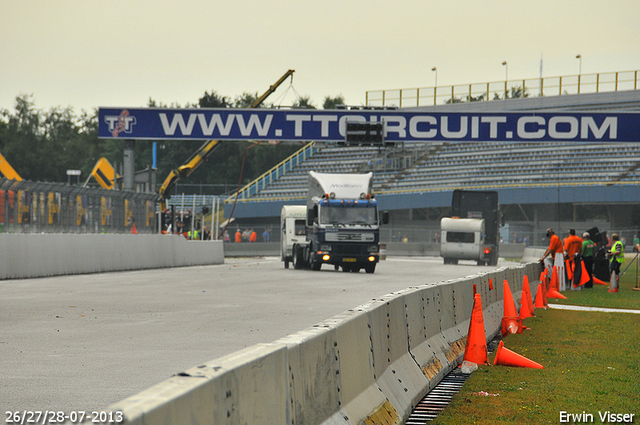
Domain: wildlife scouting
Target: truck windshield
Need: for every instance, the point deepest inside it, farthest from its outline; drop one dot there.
(348, 215)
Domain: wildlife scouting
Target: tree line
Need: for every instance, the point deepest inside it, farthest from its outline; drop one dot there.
(43, 145)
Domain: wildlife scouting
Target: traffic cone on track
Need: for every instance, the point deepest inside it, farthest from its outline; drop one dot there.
(506, 357)
(526, 305)
(511, 322)
(475, 350)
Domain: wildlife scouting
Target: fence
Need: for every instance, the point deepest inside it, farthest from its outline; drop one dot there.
(497, 90)
(35, 207)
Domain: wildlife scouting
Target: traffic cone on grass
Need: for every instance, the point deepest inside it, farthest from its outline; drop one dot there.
(554, 292)
(613, 285)
(526, 305)
(511, 322)
(540, 296)
(475, 350)
(599, 282)
(506, 357)
(584, 276)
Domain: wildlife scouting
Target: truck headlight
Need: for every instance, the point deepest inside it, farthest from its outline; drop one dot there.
(372, 248)
(325, 247)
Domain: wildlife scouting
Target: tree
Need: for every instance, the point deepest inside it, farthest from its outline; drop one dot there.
(213, 100)
(331, 102)
(303, 102)
(245, 100)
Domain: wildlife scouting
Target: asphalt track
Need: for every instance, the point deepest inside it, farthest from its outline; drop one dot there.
(84, 342)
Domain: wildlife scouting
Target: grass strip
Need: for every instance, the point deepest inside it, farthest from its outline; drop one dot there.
(591, 366)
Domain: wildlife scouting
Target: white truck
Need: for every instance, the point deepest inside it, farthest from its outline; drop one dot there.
(475, 234)
(342, 225)
(292, 227)
(461, 239)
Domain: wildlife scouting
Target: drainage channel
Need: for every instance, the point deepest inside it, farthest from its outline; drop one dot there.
(438, 398)
(441, 395)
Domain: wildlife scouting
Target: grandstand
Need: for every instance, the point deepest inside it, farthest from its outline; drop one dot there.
(423, 174)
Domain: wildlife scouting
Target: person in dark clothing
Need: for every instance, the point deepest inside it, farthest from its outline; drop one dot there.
(587, 251)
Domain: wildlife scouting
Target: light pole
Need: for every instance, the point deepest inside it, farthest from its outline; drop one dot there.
(579, 56)
(506, 78)
(435, 86)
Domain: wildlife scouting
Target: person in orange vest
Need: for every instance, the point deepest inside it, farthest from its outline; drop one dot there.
(572, 246)
(254, 236)
(238, 236)
(555, 245)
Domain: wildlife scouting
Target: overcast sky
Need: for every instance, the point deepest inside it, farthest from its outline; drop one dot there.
(85, 54)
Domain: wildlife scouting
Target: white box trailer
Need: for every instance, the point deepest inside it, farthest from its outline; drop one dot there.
(462, 239)
(292, 228)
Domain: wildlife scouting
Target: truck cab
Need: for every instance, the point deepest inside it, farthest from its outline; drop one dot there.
(293, 233)
(341, 225)
(344, 233)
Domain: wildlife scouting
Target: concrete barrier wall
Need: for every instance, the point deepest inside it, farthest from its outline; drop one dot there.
(39, 255)
(370, 364)
(393, 248)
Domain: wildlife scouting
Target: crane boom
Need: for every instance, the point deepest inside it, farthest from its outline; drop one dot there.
(205, 150)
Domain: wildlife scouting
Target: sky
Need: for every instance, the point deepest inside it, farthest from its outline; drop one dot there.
(86, 54)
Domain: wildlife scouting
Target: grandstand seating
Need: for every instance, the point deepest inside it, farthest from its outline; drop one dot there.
(471, 165)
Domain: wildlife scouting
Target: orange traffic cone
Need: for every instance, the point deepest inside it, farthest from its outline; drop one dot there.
(554, 279)
(475, 350)
(490, 284)
(540, 297)
(584, 276)
(613, 286)
(506, 357)
(553, 292)
(509, 304)
(599, 282)
(526, 304)
(568, 265)
(511, 322)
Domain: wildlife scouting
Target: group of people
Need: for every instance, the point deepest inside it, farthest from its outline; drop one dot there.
(576, 250)
(249, 235)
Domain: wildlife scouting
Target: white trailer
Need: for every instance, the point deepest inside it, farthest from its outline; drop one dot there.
(462, 239)
(292, 228)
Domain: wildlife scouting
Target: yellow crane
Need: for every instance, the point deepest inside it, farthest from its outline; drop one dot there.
(6, 170)
(205, 150)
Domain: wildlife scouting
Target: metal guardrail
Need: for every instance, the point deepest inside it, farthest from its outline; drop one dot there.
(499, 90)
(36, 207)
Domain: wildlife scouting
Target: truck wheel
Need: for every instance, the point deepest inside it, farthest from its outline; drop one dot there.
(297, 257)
(370, 268)
(315, 265)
